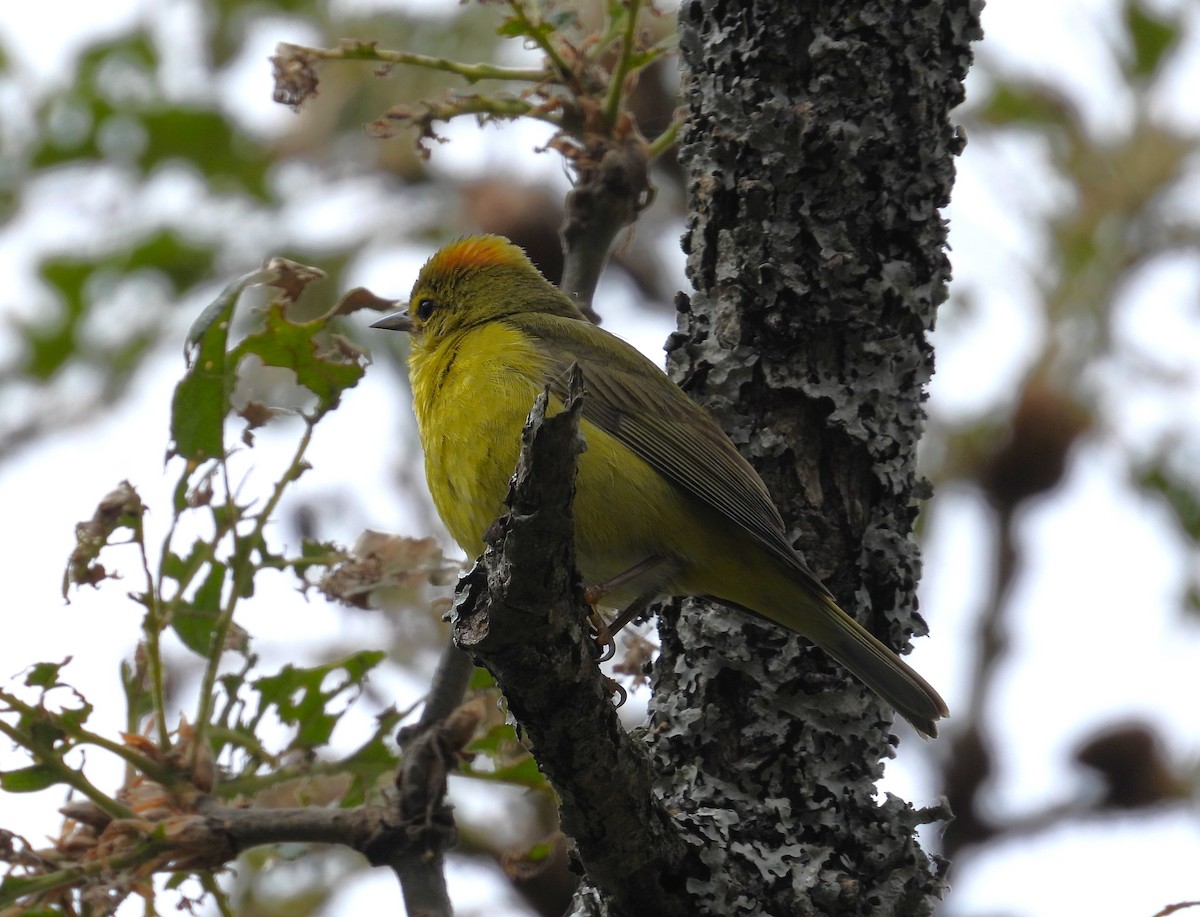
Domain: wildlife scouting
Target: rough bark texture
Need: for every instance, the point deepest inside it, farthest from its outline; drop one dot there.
(519, 614)
(819, 150)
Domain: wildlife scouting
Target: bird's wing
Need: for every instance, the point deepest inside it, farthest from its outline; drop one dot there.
(630, 398)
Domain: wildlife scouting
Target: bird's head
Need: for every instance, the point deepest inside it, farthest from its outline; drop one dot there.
(475, 280)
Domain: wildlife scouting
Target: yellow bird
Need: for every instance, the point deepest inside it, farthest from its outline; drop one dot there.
(664, 503)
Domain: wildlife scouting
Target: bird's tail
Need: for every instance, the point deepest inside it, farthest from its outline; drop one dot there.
(791, 596)
(874, 664)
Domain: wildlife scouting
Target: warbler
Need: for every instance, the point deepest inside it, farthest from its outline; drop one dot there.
(664, 505)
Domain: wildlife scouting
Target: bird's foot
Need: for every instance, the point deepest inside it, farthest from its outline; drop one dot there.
(606, 644)
(615, 690)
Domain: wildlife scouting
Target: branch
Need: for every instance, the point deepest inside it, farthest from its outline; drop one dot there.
(608, 196)
(970, 763)
(449, 684)
(241, 829)
(623, 67)
(349, 49)
(105, 852)
(519, 615)
(195, 833)
(431, 749)
(295, 67)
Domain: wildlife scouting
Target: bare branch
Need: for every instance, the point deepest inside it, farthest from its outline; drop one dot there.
(608, 196)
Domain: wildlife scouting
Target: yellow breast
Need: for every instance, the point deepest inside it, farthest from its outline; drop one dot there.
(472, 391)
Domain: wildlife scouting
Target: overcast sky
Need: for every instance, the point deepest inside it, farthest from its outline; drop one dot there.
(1099, 635)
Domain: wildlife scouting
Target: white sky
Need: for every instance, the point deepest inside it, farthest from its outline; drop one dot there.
(1099, 595)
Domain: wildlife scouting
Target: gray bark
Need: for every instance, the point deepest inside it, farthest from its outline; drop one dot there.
(518, 613)
(819, 150)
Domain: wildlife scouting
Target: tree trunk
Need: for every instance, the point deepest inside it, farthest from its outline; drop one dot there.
(819, 150)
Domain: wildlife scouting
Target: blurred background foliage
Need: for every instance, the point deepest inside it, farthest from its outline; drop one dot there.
(149, 167)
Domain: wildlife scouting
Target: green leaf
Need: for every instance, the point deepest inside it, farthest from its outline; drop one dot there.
(29, 779)
(55, 340)
(183, 263)
(1182, 497)
(1032, 104)
(13, 888)
(511, 763)
(207, 139)
(44, 674)
(316, 554)
(1151, 38)
(245, 568)
(84, 121)
(512, 27)
(195, 621)
(75, 717)
(182, 569)
(520, 773)
(293, 345)
(299, 699)
(374, 759)
(139, 701)
(50, 344)
(201, 398)
(357, 666)
(42, 729)
(320, 551)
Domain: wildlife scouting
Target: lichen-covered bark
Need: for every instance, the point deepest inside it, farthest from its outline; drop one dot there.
(519, 614)
(819, 150)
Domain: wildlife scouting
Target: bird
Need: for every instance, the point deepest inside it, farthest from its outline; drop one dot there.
(665, 504)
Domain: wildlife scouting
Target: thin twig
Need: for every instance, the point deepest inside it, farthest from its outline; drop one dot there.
(80, 736)
(538, 35)
(665, 140)
(370, 51)
(242, 567)
(616, 84)
(69, 775)
(153, 625)
(970, 762)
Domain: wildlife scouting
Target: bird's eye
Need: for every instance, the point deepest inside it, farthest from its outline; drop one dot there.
(425, 309)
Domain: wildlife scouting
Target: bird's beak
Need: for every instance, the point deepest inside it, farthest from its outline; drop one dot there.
(397, 321)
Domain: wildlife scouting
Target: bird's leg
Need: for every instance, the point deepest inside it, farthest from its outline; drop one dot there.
(653, 572)
(656, 563)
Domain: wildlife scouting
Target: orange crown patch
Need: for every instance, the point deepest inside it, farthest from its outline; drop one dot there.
(475, 252)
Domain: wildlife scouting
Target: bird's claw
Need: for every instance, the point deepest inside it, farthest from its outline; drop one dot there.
(606, 644)
(615, 690)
